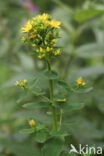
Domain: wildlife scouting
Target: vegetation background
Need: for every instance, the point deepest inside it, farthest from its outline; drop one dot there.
(83, 55)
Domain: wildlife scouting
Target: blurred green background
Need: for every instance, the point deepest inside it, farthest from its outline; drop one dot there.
(83, 55)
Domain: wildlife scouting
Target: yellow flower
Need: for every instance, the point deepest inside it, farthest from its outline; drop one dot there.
(45, 43)
(41, 49)
(47, 49)
(27, 27)
(31, 36)
(43, 17)
(17, 83)
(80, 81)
(61, 100)
(47, 23)
(21, 83)
(32, 123)
(55, 24)
(40, 56)
(25, 81)
(57, 52)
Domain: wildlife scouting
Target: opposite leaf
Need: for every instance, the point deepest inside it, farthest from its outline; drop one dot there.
(34, 105)
(53, 147)
(27, 131)
(59, 133)
(83, 15)
(41, 136)
(51, 74)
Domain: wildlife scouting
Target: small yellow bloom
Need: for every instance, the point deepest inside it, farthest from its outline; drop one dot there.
(22, 84)
(43, 17)
(32, 36)
(27, 27)
(41, 56)
(45, 43)
(61, 100)
(17, 83)
(54, 44)
(80, 81)
(46, 23)
(55, 24)
(41, 49)
(32, 123)
(57, 52)
(47, 49)
(25, 81)
(83, 84)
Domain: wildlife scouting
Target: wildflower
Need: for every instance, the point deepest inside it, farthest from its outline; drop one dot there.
(25, 81)
(80, 81)
(55, 24)
(17, 83)
(22, 83)
(58, 52)
(32, 123)
(45, 43)
(43, 17)
(47, 49)
(41, 49)
(40, 56)
(46, 23)
(27, 27)
(32, 36)
(40, 35)
(61, 100)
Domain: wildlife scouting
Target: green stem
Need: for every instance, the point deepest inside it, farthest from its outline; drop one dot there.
(53, 109)
(61, 114)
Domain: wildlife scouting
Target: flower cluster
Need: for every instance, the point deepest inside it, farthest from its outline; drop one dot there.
(22, 83)
(80, 82)
(42, 33)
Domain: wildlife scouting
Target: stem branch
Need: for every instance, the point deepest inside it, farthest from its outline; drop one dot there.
(53, 109)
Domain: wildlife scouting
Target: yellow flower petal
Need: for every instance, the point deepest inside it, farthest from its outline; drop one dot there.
(32, 123)
(27, 27)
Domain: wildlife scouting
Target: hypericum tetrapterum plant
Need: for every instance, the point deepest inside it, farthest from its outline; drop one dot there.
(42, 33)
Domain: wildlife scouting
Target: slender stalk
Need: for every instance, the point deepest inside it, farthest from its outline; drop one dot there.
(53, 109)
(60, 122)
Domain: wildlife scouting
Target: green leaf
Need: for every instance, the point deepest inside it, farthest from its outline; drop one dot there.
(51, 74)
(53, 147)
(64, 85)
(27, 131)
(34, 105)
(22, 97)
(59, 133)
(83, 15)
(32, 83)
(41, 136)
(73, 106)
(86, 90)
(40, 127)
(67, 154)
(90, 50)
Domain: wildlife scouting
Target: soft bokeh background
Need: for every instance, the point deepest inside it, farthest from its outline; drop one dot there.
(83, 55)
